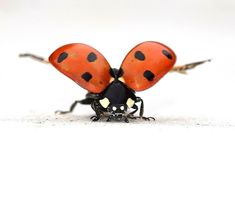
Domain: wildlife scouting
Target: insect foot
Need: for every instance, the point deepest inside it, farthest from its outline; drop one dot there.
(141, 117)
(95, 118)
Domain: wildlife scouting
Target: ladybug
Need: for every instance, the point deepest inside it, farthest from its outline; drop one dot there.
(111, 91)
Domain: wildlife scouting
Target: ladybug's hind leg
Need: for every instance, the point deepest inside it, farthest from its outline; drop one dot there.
(34, 57)
(183, 68)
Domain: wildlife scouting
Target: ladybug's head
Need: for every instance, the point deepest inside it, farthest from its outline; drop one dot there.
(117, 111)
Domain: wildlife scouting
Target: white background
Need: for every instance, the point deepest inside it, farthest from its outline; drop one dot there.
(183, 163)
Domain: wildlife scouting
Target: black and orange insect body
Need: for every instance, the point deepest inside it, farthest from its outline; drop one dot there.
(112, 91)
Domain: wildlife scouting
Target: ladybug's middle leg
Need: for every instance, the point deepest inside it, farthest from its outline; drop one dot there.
(141, 113)
(72, 107)
(131, 114)
(87, 101)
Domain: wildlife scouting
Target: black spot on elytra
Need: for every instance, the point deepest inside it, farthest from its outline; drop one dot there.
(139, 55)
(92, 57)
(167, 54)
(62, 57)
(86, 76)
(149, 75)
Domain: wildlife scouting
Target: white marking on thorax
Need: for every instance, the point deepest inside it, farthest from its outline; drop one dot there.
(130, 102)
(104, 102)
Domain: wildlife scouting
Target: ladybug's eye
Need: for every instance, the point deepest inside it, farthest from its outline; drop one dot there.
(122, 108)
(114, 108)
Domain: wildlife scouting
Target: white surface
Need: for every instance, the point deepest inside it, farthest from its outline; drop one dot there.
(181, 164)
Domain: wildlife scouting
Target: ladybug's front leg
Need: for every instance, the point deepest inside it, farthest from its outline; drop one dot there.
(98, 110)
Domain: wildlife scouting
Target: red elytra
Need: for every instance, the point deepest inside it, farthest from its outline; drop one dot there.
(146, 64)
(74, 62)
(142, 67)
